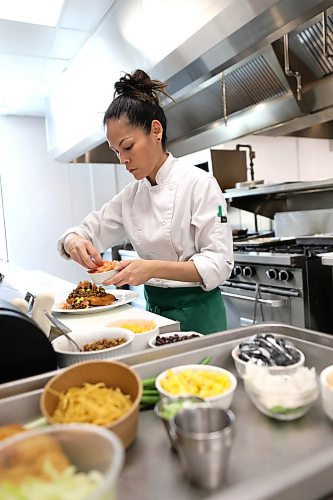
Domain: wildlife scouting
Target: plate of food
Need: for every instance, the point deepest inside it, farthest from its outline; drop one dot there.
(88, 297)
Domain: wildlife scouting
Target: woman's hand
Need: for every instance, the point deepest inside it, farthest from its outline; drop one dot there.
(82, 251)
(132, 272)
(137, 272)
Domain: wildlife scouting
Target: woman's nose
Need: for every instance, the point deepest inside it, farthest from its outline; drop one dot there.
(123, 158)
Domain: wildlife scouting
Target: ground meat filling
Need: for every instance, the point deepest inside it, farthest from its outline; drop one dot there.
(101, 344)
(78, 298)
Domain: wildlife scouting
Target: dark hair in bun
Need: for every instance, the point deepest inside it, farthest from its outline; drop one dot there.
(136, 97)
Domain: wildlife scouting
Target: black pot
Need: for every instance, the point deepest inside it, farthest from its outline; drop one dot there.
(24, 349)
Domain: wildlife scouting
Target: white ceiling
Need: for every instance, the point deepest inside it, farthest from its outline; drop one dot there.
(32, 57)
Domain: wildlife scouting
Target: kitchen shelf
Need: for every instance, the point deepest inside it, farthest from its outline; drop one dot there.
(284, 197)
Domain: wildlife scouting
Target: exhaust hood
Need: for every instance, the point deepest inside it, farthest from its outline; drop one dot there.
(228, 80)
(259, 97)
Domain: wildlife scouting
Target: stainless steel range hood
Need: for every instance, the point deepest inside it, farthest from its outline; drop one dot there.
(259, 96)
(245, 43)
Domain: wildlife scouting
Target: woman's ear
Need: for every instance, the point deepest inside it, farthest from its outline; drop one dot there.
(157, 129)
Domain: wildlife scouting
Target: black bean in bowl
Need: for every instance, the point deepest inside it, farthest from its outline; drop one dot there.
(170, 339)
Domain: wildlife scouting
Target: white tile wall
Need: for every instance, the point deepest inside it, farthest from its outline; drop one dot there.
(279, 159)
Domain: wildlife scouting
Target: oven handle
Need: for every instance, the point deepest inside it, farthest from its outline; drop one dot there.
(265, 289)
(272, 303)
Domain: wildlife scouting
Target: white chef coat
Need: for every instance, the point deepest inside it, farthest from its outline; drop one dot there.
(176, 220)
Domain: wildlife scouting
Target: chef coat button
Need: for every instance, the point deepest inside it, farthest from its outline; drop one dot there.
(163, 222)
(140, 227)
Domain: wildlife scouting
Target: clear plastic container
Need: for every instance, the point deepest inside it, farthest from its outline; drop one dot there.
(281, 405)
(76, 461)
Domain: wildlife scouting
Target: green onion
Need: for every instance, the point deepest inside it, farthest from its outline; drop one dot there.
(206, 361)
(150, 392)
(149, 383)
(149, 399)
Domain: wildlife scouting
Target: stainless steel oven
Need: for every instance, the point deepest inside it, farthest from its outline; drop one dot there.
(291, 288)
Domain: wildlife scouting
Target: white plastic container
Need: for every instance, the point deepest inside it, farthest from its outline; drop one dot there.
(141, 340)
(274, 370)
(326, 391)
(67, 354)
(99, 278)
(222, 400)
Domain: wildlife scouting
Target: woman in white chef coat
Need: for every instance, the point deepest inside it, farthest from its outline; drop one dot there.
(173, 213)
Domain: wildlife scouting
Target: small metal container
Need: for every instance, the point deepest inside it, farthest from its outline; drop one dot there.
(167, 408)
(203, 436)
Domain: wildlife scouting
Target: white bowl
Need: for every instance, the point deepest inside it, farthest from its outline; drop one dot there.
(274, 370)
(282, 397)
(326, 391)
(99, 278)
(140, 341)
(67, 354)
(152, 342)
(223, 400)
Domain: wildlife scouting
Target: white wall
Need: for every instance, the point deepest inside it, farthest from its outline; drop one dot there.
(278, 159)
(42, 197)
(35, 195)
(281, 159)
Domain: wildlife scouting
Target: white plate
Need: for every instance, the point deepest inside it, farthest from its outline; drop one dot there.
(122, 297)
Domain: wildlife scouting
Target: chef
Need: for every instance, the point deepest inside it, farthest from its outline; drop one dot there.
(173, 213)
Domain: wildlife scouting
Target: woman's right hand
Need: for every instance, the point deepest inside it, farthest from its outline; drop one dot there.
(82, 251)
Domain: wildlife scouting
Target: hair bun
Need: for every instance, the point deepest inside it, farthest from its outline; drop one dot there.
(139, 85)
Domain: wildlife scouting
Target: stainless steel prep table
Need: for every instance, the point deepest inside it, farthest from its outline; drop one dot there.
(269, 460)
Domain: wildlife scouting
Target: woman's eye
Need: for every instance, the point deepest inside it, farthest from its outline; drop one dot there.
(128, 148)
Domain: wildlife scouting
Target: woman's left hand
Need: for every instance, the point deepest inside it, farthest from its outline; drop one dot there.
(132, 272)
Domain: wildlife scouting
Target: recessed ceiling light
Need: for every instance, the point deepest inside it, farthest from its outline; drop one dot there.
(41, 12)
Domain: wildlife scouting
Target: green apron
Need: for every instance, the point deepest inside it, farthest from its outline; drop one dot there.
(195, 309)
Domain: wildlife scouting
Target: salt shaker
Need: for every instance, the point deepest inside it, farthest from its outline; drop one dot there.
(43, 302)
(21, 304)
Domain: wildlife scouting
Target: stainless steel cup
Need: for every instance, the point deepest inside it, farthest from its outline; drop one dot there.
(203, 436)
(167, 408)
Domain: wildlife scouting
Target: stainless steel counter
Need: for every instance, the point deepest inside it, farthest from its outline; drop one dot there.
(269, 459)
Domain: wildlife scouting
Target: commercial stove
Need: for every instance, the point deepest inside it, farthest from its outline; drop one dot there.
(279, 279)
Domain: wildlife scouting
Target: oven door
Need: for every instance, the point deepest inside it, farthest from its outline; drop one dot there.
(248, 306)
